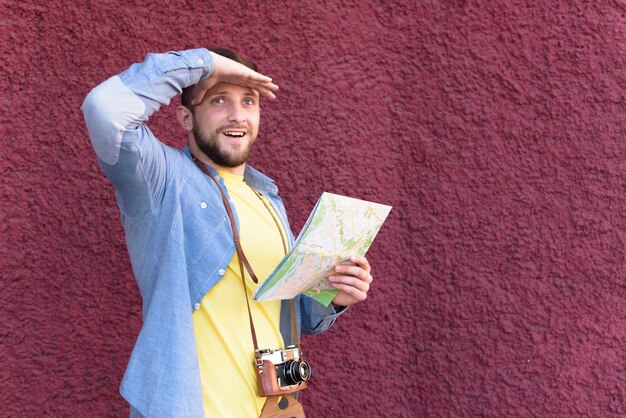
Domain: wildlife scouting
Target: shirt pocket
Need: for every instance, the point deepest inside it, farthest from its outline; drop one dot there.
(196, 223)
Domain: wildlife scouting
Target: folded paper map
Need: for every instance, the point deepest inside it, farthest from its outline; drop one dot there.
(338, 227)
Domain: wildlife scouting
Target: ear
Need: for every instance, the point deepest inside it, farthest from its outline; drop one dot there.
(185, 118)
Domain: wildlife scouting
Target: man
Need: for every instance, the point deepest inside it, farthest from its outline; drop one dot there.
(194, 355)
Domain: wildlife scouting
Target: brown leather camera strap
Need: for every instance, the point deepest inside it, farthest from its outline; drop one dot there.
(242, 258)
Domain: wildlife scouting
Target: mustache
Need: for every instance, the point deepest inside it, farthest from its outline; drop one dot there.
(238, 126)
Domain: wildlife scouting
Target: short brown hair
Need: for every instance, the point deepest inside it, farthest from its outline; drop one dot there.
(188, 92)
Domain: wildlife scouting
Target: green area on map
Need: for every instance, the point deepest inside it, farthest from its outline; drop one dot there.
(338, 227)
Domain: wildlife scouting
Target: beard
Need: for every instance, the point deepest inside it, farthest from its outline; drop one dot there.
(220, 154)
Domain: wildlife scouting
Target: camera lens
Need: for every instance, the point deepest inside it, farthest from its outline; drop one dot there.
(295, 371)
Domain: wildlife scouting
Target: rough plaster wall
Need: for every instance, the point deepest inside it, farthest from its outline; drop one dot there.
(495, 129)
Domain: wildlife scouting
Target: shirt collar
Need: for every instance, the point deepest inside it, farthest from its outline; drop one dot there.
(252, 176)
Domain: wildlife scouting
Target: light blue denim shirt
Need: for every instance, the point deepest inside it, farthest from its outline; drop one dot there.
(177, 230)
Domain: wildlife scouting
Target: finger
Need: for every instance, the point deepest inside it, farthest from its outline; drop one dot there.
(350, 281)
(353, 292)
(355, 271)
(260, 86)
(361, 261)
(254, 77)
(198, 96)
(266, 90)
(250, 79)
(201, 89)
(270, 95)
(262, 81)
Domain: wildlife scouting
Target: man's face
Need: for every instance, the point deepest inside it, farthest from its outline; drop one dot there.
(226, 123)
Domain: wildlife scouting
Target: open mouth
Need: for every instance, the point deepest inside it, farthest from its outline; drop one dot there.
(235, 134)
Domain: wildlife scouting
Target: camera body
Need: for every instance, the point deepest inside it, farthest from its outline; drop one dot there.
(281, 371)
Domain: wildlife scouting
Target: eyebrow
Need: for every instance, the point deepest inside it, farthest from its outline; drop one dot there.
(250, 93)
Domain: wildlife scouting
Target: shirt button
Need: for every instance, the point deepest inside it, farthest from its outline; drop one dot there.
(203, 205)
(196, 306)
(200, 61)
(221, 272)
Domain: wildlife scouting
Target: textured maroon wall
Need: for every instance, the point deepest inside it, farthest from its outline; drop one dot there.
(495, 129)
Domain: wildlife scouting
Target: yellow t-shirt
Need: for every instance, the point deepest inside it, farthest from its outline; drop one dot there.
(221, 325)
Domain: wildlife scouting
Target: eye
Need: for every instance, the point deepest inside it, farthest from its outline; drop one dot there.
(248, 101)
(218, 100)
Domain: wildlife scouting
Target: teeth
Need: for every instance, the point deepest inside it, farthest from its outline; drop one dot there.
(237, 134)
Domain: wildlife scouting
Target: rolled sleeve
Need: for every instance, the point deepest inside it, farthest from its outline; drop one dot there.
(116, 111)
(317, 318)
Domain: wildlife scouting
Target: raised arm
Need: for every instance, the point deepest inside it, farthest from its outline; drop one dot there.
(116, 112)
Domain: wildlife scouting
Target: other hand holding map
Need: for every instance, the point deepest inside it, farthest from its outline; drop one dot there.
(338, 227)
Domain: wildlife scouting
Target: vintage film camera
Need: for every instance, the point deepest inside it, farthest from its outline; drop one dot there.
(281, 371)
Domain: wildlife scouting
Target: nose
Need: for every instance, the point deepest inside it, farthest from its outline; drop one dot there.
(236, 114)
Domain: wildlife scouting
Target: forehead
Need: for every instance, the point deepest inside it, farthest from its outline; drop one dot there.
(232, 90)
